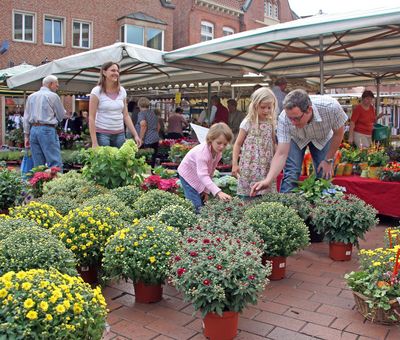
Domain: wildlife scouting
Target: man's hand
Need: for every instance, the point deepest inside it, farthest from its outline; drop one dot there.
(259, 186)
(327, 169)
(224, 197)
(27, 144)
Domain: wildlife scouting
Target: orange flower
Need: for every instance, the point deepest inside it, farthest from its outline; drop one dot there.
(382, 284)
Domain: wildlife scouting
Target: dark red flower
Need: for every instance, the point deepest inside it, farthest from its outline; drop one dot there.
(206, 282)
(251, 277)
(193, 254)
(190, 240)
(210, 257)
(177, 258)
(180, 271)
(218, 266)
(247, 253)
(206, 240)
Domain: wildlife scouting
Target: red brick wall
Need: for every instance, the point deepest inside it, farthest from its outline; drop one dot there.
(103, 15)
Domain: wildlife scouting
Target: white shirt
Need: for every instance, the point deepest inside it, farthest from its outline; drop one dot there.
(328, 116)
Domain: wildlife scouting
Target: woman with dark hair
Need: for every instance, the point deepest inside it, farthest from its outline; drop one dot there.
(108, 110)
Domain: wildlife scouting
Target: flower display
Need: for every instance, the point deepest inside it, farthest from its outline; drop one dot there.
(35, 248)
(177, 216)
(152, 201)
(377, 156)
(281, 228)
(218, 272)
(8, 225)
(391, 173)
(392, 237)
(215, 209)
(67, 139)
(38, 178)
(12, 188)
(43, 214)
(178, 151)
(50, 305)
(141, 252)
(156, 182)
(127, 194)
(63, 204)
(344, 219)
(85, 231)
(228, 184)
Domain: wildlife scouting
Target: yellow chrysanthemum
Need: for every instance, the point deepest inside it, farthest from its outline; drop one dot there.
(44, 306)
(29, 303)
(60, 309)
(152, 259)
(26, 285)
(49, 317)
(32, 315)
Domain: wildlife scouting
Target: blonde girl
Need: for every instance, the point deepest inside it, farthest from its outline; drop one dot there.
(198, 166)
(255, 142)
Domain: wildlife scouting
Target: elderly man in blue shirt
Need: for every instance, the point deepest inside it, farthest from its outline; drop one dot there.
(43, 112)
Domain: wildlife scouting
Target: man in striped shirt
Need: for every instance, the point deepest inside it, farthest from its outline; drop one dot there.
(43, 112)
(313, 121)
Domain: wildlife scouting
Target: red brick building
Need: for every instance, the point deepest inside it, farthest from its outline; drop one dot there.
(201, 20)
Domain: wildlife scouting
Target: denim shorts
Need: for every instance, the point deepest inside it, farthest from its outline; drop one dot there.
(192, 195)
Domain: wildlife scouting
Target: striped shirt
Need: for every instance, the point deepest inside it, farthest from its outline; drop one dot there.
(151, 136)
(197, 168)
(328, 116)
(44, 107)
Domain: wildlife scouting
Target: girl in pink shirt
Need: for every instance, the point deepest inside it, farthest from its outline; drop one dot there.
(198, 166)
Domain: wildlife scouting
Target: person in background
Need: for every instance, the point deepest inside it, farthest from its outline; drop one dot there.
(362, 121)
(256, 142)
(316, 122)
(176, 123)
(198, 166)
(43, 112)
(235, 117)
(219, 113)
(279, 91)
(161, 124)
(108, 110)
(147, 125)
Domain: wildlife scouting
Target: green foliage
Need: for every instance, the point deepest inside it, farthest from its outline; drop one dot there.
(9, 225)
(11, 155)
(71, 157)
(127, 194)
(216, 209)
(12, 188)
(141, 252)
(344, 219)
(40, 304)
(218, 272)
(112, 167)
(34, 248)
(63, 204)
(152, 201)
(228, 184)
(378, 158)
(164, 173)
(110, 200)
(177, 216)
(281, 228)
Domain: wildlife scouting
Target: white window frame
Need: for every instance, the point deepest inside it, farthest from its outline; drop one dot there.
(123, 39)
(205, 34)
(53, 17)
(145, 39)
(275, 8)
(228, 30)
(77, 21)
(33, 14)
(162, 36)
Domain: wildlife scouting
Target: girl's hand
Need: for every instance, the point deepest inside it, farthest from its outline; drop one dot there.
(235, 171)
(138, 141)
(223, 197)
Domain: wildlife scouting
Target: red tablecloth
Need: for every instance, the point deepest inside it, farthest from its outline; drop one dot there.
(383, 196)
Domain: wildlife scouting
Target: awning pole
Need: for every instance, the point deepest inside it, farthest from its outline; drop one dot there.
(378, 90)
(321, 64)
(208, 101)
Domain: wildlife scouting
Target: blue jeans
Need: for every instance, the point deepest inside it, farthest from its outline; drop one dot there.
(192, 195)
(292, 170)
(45, 146)
(107, 139)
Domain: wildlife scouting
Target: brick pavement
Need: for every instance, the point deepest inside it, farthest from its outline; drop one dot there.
(311, 302)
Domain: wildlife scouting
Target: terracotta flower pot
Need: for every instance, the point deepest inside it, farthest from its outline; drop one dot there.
(339, 169)
(340, 251)
(89, 274)
(374, 172)
(147, 293)
(348, 169)
(223, 327)
(278, 266)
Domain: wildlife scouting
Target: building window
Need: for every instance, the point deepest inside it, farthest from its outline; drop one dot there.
(23, 26)
(53, 31)
(150, 37)
(81, 34)
(276, 11)
(207, 31)
(227, 31)
(271, 9)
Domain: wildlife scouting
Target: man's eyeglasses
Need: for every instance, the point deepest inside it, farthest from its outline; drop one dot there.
(296, 119)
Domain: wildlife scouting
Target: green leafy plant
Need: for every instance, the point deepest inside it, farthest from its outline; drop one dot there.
(112, 167)
(11, 155)
(63, 204)
(177, 216)
(50, 305)
(35, 248)
(16, 136)
(164, 173)
(9, 225)
(127, 194)
(281, 228)
(378, 158)
(152, 201)
(344, 219)
(218, 272)
(85, 231)
(12, 188)
(215, 209)
(141, 252)
(228, 184)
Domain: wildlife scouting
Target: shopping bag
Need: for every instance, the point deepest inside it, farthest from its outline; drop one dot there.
(27, 163)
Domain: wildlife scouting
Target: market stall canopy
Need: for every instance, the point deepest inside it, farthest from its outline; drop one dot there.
(140, 65)
(345, 42)
(12, 71)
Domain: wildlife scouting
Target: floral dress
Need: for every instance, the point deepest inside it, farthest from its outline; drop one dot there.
(256, 156)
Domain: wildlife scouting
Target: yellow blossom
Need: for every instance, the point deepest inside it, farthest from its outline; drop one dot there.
(26, 285)
(44, 306)
(3, 293)
(60, 309)
(32, 315)
(29, 303)
(152, 259)
(49, 317)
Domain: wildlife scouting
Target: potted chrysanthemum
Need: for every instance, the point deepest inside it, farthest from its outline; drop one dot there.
(282, 230)
(142, 254)
(220, 274)
(50, 305)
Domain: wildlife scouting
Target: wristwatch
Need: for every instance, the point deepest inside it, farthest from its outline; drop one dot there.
(329, 160)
